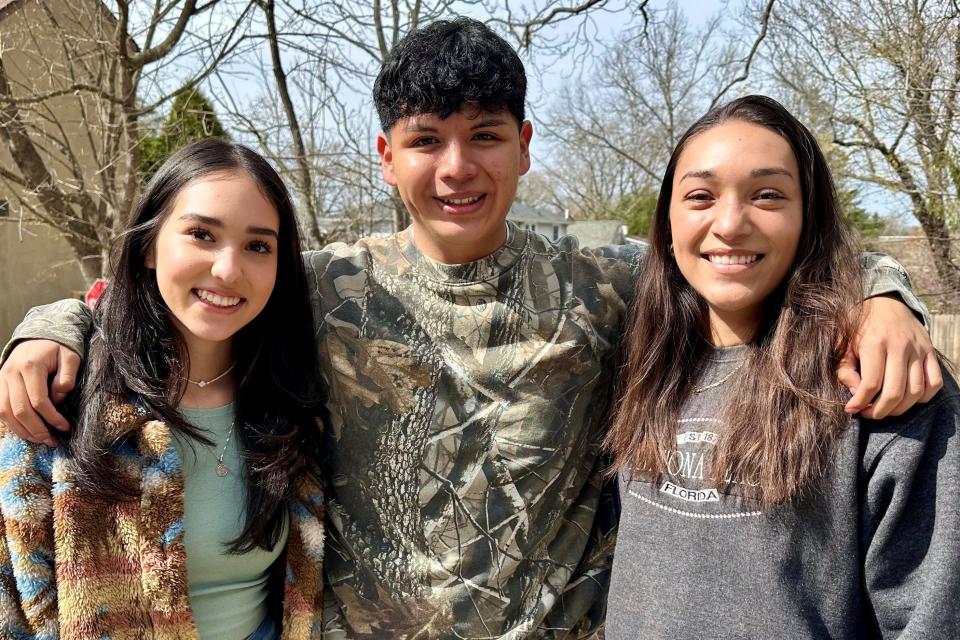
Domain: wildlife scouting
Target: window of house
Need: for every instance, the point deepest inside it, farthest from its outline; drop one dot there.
(556, 232)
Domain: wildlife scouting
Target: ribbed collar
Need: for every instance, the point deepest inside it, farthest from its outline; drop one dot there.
(485, 269)
(720, 355)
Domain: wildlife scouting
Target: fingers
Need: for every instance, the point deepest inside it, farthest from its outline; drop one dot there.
(66, 377)
(34, 380)
(933, 376)
(897, 361)
(893, 385)
(24, 400)
(914, 388)
(847, 372)
(872, 363)
(20, 417)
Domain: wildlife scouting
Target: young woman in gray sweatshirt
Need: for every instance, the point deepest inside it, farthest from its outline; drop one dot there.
(754, 506)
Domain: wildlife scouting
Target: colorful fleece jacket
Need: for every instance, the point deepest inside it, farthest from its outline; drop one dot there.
(81, 567)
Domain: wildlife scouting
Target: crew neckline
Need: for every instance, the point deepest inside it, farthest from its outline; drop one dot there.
(211, 412)
(482, 270)
(732, 353)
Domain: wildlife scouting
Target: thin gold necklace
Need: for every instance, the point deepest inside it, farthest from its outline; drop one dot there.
(719, 382)
(203, 383)
(222, 469)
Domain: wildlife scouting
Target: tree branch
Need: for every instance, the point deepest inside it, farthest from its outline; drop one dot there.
(764, 25)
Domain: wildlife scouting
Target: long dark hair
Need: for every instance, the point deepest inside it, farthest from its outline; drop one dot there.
(783, 420)
(137, 355)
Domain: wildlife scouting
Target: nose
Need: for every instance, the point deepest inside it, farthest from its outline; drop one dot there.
(456, 163)
(226, 266)
(731, 219)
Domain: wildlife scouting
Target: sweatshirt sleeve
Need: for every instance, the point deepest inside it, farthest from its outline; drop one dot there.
(66, 321)
(910, 521)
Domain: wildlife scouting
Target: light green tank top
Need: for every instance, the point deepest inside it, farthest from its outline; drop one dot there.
(228, 592)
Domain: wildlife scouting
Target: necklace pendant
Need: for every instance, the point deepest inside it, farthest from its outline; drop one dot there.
(202, 384)
(222, 470)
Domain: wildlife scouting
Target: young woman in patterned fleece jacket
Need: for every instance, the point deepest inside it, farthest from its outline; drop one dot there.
(186, 502)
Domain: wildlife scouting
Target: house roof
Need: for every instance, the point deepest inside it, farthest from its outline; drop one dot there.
(6, 8)
(524, 213)
(596, 233)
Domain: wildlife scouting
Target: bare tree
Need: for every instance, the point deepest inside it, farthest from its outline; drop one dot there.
(885, 75)
(617, 127)
(77, 77)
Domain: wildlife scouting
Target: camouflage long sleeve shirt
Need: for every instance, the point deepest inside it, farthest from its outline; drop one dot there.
(464, 463)
(465, 495)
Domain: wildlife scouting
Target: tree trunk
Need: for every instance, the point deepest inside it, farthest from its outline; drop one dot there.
(401, 218)
(938, 235)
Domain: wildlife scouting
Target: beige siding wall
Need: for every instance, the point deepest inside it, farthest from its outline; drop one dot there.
(36, 264)
(37, 270)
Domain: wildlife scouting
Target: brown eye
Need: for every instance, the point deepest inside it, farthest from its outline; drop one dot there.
(770, 195)
(199, 233)
(259, 246)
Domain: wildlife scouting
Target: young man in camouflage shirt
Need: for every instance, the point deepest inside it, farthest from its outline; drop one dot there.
(468, 364)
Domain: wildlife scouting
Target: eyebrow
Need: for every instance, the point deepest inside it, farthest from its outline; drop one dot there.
(762, 172)
(420, 128)
(706, 174)
(488, 122)
(214, 222)
(770, 171)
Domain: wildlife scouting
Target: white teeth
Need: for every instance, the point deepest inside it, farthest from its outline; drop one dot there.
(215, 300)
(461, 200)
(725, 259)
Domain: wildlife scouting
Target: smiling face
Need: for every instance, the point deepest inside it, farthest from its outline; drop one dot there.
(215, 258)
(457, 177)
(736, 215)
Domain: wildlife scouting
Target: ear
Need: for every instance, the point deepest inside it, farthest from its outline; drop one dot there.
(526, 134)
(150, 261)
(386, 159)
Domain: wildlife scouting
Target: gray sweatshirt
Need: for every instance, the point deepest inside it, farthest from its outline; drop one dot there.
(873, 552)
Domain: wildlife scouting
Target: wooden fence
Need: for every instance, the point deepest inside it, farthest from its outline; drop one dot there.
(945, 332)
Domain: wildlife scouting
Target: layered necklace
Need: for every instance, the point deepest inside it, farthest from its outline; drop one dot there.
(221, 469)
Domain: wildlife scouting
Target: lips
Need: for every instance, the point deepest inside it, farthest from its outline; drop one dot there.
(217, 300)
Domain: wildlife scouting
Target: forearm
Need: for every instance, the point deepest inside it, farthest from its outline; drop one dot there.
(882, 275)
(65, 321)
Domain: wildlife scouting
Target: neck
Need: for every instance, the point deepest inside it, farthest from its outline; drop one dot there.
(444, 252)
(207, 361)
(728, 329)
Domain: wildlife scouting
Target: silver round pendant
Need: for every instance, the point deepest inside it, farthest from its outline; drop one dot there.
(222, 470)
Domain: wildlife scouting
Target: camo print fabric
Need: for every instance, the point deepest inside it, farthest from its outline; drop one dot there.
(464, 462)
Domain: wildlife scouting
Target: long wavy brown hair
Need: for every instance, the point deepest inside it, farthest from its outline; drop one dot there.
(786, 414)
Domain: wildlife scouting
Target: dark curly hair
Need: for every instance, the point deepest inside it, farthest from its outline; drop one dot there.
(445, 66)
